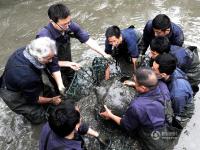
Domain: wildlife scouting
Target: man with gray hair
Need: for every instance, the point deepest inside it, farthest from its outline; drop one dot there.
(22, 88)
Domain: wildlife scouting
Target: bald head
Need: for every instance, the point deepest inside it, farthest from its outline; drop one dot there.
(146, 77)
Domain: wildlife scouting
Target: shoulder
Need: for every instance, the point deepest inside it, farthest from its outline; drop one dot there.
(74, 26)
(176, 28)
(180, 82)
(129, 34)
(44, 32)
(148, 24)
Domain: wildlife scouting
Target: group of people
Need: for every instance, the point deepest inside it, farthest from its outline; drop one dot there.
(165, 86)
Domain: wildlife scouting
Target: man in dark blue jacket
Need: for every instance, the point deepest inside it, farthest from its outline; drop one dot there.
(123, 46)
(61, 29)
(187, 58)
(161, 26)
(22, 88)
(180, 89)
(64, 129)
(146, 112)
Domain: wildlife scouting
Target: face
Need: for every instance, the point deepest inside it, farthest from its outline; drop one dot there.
(161, 33)
(153, 54)
(63, 24)
(47, 59)
(114, 41)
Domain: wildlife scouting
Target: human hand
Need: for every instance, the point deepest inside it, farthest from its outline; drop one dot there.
(129, 83)
(105, 141)
(106, 114)
(139, 60)
(108, 57)
(74, 66)
(56, 100)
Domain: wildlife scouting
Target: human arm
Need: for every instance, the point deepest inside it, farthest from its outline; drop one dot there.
(84, 37)
(132, 49)
(72, 65)
(129, 121)
(129, 83)
(177, 35)
(94, 45)
(31, 88)
(85, 129)
(107, 114)
(46, 100)
(57, 76)
(146, 38)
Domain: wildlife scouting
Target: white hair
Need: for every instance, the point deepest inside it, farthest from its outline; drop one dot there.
(41, 47)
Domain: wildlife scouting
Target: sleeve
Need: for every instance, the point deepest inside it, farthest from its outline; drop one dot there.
(179, 36)
(108, 47)
(83, 129)
(146, 38)
(79, 33)
(178, 104)
(53, 66)
(31, 89)
(129, 121)
(132, 47)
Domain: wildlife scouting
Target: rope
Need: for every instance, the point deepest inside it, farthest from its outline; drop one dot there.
(88, 77)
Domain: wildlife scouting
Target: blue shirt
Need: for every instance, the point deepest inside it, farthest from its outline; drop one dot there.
(54, 141)
(51, 32)
(175, 36)
(147, 110)
(21, 76)
(180, 91)
(74, 30)
(184, 57)
(128, 45)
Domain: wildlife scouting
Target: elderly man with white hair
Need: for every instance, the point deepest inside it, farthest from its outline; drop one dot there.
(22, 88)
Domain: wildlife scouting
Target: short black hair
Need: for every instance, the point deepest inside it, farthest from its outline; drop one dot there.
(113, 31)
(58, 11)
(146, 77)
(63, 119)
(167, 63)
(160, 45)
(161, 22)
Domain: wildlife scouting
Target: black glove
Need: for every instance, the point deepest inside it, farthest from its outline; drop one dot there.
(103, 140)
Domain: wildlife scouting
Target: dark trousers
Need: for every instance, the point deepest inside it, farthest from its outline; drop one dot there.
(34, 112)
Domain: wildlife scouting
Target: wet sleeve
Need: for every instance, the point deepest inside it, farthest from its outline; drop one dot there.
(79, 33)
(132, 47)
(108, 47)
(129, 121)
(53, 66)
(146, 38)
(83, 129)
(179, 36)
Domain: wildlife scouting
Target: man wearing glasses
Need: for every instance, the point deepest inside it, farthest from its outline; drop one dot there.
(161, 26)
(61, 28)
(22, 86)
